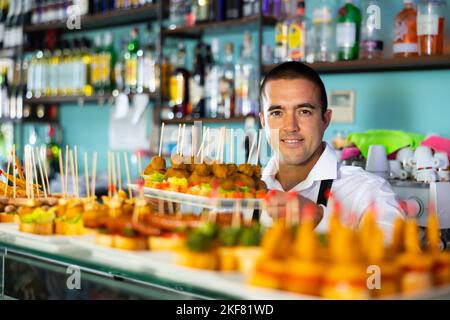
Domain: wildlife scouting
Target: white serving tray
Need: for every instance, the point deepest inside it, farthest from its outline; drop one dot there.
(9, 232)
(200, 201)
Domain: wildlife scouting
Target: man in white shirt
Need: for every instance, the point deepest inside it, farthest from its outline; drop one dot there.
(295, 105)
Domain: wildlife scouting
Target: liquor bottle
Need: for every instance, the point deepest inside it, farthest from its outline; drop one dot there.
(85, 84)
(217, 10)
(37, 89)
(9, 24)
(250, 8)
(212, 79)
(405, 39)
(197, 83)
(179, 86)
(297, 34)
(285, 13)
(36, 12)
(96, 65)
(55, 73)
(131, 62)
(226, 101)
(148, 70)
(166, 73)
(323, 42)
(372, 43)
(4, 100)
(233, 9)
(107, 64)
(4, 5)
(28, 7)
(348, 31)
(431, 26)
(246, 81)
(201, 10)
(73, 64)
(177, 12)
(119, 68)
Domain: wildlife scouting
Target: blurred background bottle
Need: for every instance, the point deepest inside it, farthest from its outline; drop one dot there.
(372, 44)
(405, 30)
(348, 31)
(323, 43)
(430, 26)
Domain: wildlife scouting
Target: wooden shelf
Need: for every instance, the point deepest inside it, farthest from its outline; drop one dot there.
(198, 29)
(204, 120)
(379, 65)
(30, 121)
(77, 99)
(108, 19)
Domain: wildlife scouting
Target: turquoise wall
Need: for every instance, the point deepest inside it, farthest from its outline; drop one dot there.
(412, 101)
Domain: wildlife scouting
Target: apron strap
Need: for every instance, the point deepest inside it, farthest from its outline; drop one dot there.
(324, 192)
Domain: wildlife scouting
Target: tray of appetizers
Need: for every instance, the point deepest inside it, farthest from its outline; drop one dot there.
(191, 199)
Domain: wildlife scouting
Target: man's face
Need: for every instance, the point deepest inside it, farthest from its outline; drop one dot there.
(293, 107)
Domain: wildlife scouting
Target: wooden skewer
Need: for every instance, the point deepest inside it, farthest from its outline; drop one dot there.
(119, 171)
(161, 139)
(109, 175)
(61, 173)
(72, 172)
(219, 145)
(77, 186)
(7, 171)
(14, 174)
(27, 176)
(231, 145)
(94, 172)
(207, 145)
(41, 172)
(251, 150)
(192, 142)
(222, 149)
(202, 146)
(86, 175)
(139, 164)
(178, 139)
(114, 172)
(46, 176)
(127, 170)
(236, 219)
(66, 170)
(30, 169)
(259, 147)
(35, 172)
(14, 170)
(183, 133)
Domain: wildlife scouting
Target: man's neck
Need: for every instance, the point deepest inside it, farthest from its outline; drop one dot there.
(291, 175)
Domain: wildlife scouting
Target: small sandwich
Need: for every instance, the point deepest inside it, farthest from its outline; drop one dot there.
(36, 219)
(201, 248)
(8, 213)
(69, 220)
(118, 231)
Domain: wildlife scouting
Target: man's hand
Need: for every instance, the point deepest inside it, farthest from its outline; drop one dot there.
(277, 203)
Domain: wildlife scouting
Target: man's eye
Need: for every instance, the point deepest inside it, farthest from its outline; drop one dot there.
(275, 114)
(305, 112)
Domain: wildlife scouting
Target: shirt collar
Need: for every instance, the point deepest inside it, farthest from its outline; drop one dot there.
(326, 168)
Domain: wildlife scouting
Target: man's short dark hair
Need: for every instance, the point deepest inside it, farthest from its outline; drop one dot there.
(297, 70)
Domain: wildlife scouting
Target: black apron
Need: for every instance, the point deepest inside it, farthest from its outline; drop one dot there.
(322, 198)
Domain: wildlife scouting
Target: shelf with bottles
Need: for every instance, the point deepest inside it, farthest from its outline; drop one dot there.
(437, 62)
(205, 120)
(95, 20)
(197, 30)
(99, 99)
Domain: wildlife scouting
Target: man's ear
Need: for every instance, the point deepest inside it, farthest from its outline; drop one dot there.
(261, 119)
(327, 118)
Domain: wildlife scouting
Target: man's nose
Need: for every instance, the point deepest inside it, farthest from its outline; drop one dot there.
(291, 123)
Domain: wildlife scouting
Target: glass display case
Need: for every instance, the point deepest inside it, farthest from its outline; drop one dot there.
(27, 273)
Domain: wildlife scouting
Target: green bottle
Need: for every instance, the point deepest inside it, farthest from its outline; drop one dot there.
(108, 59)
(348, 31)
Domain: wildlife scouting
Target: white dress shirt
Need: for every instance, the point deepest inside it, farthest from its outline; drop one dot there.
(355, 189)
